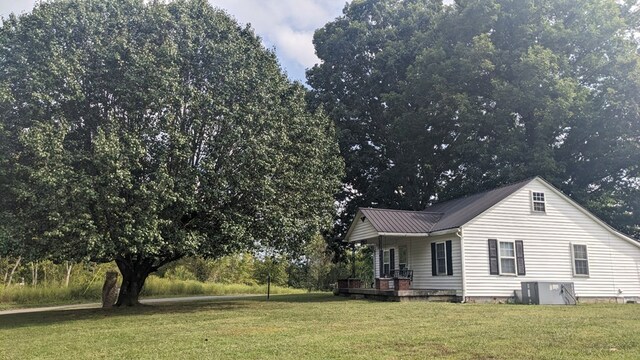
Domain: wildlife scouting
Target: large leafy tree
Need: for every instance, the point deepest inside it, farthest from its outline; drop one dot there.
(434, 101)
(142, 132)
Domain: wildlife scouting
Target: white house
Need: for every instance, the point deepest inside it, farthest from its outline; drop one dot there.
(482, 247)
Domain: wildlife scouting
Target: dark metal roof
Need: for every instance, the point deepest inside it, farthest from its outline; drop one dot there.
(445, 215)
(460, 211)
(400, 221)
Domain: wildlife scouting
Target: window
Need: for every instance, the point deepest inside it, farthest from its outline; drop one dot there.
(538, 202)
(580, 260)
(507, 258)
(402, 257)
(386, 261)
(441, 259)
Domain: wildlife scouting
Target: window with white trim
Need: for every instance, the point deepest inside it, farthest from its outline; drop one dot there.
(507, 258)
(537, 202)
(441, 258)
(580, 260)
(386, 263)
(403, 257)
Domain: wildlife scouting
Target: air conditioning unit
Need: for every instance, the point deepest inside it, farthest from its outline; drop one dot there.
(548, 293)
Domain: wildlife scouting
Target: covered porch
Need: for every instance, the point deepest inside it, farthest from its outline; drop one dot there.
(409, 262)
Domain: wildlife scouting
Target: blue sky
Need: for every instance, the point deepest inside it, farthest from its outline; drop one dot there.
(284, 25)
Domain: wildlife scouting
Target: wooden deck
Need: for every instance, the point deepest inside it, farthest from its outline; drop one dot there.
(399, 295)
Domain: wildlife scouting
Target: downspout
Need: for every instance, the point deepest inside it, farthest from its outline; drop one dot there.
(460, 234)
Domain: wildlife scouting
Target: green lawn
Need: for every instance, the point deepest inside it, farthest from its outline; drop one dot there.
(321, 326)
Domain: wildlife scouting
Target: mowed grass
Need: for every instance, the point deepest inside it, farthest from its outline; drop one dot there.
(321, 326)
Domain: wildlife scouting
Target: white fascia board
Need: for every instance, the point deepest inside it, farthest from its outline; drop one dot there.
(359, 241)
(403, 234)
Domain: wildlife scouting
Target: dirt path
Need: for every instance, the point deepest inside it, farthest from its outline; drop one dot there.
(144, 301)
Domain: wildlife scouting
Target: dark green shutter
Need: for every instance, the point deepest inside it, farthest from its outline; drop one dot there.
(493, 257)
(520, 258)
(380, 274)
(449, 258)
(392, 260)
(434, 266)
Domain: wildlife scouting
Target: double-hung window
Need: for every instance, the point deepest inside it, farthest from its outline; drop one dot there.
(580, 260)
(507, 258)
(386, 263)
(403, 257)
(537, 202)
(441, 258)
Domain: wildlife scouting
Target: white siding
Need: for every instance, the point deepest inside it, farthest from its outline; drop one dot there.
(614, 263)
(421, 265)
(362, 230)
(419, 250)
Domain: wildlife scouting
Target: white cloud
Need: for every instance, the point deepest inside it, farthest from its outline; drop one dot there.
(15, 6)
(286, 25)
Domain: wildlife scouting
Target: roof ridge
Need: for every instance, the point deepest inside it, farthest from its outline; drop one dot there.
(399, 210)
(385, 209)
(483, 192)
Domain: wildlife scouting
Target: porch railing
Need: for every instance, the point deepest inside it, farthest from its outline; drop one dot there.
(402, 273)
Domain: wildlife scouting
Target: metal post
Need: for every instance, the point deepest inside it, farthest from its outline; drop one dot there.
(269, 284)
(353, 261)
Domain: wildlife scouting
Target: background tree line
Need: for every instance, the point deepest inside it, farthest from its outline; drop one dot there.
(433, 102)
(314, 271)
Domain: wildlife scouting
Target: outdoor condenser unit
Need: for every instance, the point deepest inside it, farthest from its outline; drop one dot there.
(548, 293)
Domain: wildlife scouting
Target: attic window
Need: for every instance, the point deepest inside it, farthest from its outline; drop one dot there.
(538, 202)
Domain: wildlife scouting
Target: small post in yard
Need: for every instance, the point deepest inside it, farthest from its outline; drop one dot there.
(353, 261)
(269, 283)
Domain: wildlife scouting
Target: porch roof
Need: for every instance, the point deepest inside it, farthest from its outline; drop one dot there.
(401, 221)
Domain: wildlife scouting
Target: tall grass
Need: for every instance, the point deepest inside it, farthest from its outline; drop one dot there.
(41, 295)
(157, 286)
(15, 295)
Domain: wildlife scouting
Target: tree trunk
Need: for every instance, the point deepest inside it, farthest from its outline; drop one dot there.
(134, 274)
(6, 272)
(14, 269)
(69, 266)
(34, 273)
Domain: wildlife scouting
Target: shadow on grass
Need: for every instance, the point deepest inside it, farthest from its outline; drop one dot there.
(305, 298)
(46, 318)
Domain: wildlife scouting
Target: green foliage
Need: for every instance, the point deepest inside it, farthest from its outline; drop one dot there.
(318, 265)
(317, 270)
(433, 102)
(179, 272)
(143, 132)
(274, 268)
(230, 269)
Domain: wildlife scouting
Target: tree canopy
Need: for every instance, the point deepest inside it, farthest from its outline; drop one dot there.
(143, 132)
(434, 101)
